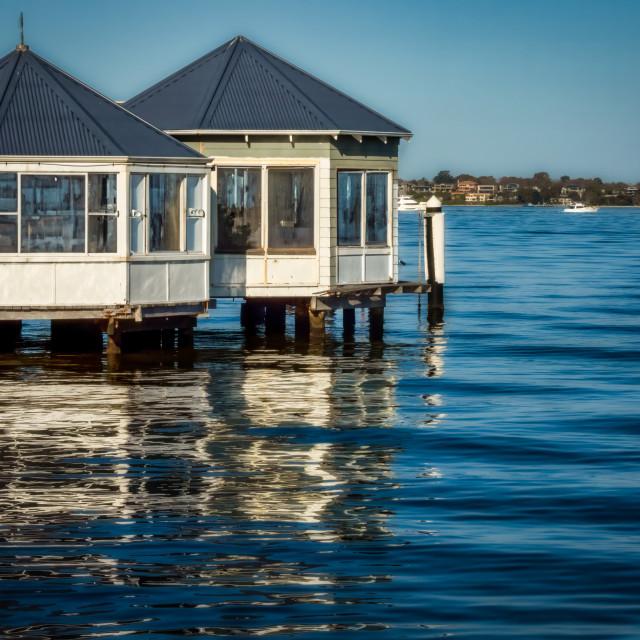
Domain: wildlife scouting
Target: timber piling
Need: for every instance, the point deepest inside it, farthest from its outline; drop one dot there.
(433, 229)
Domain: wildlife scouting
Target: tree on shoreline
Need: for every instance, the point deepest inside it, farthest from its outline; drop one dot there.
(538, 189)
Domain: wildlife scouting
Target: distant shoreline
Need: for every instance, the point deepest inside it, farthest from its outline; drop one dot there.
(542, 206)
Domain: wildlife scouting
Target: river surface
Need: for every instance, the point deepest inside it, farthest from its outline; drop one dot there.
(476, 479)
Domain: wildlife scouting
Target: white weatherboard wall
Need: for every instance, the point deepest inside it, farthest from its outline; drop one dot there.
(59, 280)
(273, 273)
(62, 284)
(168, 282)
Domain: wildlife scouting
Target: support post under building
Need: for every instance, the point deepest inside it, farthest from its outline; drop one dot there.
(10, 331)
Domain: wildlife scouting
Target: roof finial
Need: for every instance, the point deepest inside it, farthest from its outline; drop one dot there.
(22, 46)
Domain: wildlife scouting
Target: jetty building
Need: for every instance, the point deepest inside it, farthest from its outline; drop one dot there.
(238, 176)
(104, 219)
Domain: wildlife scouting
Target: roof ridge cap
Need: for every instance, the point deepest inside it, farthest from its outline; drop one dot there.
(288, 85)
(112, 103)
(330, 87)
(10, 89)
(87, 119)
(167, 80)
(212, 100)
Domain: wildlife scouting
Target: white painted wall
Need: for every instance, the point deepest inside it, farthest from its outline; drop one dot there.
(90, 280)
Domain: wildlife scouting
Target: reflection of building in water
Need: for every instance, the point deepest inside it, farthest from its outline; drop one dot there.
(275, 444)
(284, 469)
(75, 447)
(320, 391)
(279, 393)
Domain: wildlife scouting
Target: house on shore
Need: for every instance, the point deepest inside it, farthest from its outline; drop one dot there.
(104, 219)
(304, 180)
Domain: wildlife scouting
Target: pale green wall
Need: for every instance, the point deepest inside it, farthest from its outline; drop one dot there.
(372, 154)
(260, 146)
(344, 153)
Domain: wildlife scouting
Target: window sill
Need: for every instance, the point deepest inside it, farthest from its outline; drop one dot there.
(289, 252)
(240, 252)
(364, 246)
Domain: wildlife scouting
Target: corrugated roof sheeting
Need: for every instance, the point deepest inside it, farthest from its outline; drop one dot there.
(62, 132)
(350, 114)
(254, 98)
(241, 86)
(185, 93)
(7, 65)
(46, 112)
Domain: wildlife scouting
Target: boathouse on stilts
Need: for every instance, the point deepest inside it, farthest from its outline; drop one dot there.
(254, 180)
(304, 183)
(104, 219)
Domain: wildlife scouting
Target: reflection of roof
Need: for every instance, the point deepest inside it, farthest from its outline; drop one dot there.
(46, 112)
(242, 87)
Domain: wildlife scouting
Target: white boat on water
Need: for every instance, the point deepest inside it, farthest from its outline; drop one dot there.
(405, 203)
(578, 207)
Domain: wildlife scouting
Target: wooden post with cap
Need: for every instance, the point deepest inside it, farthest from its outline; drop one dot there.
(434, 255)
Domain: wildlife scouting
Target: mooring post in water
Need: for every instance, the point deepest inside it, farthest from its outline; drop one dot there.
(434, 255)
(185, 338)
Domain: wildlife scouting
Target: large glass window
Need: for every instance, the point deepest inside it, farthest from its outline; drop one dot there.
(376, 208)
(164, 211)
(167, 212)
(8, 212)
(53, 214)
(353, 213)
(103, 211)
(291, 208)
(349, 208)
(239, 209)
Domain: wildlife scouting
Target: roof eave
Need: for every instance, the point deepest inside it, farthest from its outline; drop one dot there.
(287, 132)
(6, 159)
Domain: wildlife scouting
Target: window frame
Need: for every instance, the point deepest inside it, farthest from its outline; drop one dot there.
(48, 173)
(185, 213)
(110, 214)
(363, 209)
(259, 250)
(265, 167)
(13, 214)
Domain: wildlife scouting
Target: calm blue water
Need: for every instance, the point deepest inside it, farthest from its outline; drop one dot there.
(475, 479)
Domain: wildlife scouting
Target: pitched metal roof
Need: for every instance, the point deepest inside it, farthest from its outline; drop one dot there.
(242, 87)
(46, 112)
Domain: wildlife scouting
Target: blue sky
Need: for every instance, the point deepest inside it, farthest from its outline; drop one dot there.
(489, 87)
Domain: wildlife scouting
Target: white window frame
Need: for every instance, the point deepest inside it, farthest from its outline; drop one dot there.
(15, 213)
(363, 209)
(265, 167)
(184, 212)
(48, 172)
